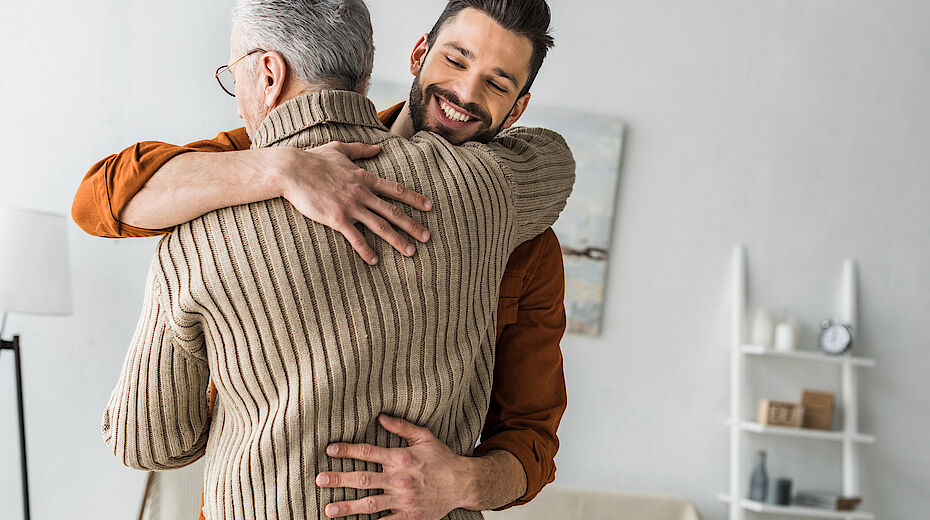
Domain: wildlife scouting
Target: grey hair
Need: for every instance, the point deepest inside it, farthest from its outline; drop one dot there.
(327, 43)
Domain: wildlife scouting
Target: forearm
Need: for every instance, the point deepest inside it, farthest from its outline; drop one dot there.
(495, 479)
(195, 183)
(541, 169)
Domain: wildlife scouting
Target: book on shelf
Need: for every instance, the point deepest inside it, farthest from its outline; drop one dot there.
(826, 500)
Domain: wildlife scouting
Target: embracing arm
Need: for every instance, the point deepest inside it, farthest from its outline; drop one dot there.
(541, 171)
(150, 187)
(192, 184)
(112, 183)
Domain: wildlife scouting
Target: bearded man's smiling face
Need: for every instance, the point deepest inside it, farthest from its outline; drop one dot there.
(469, 81)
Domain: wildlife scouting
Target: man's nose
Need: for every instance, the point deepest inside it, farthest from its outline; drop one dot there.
(470, 89)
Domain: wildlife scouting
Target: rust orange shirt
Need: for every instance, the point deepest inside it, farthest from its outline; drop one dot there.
(528, 394)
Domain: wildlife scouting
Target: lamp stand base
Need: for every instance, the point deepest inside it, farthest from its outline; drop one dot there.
(14, 346)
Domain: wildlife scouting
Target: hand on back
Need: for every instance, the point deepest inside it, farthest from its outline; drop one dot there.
(325, 186)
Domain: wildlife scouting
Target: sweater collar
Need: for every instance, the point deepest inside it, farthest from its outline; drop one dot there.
(315, 108)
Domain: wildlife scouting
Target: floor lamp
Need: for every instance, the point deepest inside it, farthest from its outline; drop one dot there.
(34, 279)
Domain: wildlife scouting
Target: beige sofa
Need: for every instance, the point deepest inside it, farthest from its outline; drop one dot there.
(175, 495)
(560, 503)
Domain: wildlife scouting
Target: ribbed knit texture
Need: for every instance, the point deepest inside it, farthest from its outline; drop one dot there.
(305, 342)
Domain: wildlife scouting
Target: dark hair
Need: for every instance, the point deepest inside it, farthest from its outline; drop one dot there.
(528, 18)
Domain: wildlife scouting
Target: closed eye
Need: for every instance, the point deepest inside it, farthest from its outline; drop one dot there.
(497, 87)
(455, 63)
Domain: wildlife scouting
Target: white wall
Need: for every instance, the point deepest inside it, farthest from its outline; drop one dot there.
(795, 127)
(81, 80)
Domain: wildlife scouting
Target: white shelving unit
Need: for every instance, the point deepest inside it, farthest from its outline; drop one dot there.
(805, 512)
(739, 427)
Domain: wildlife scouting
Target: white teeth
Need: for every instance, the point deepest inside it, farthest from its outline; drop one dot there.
(453, 114)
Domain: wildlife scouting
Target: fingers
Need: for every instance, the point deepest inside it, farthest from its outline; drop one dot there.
(356, 151)
(341, 194)
(359, 244)
(383, 229)
(365, 452)
(354, 479)
(364, 506)
(410, 432)
(397, 217)
(401, 193)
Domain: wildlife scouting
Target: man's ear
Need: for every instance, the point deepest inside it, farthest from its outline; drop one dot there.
(518, 108)
(419, 54)
(272, 73)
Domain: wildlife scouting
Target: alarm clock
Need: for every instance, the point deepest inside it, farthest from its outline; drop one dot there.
(835, 338)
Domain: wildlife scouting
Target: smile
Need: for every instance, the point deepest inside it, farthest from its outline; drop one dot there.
(452, 112)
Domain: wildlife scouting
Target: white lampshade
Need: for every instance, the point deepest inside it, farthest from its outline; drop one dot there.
(34, 271)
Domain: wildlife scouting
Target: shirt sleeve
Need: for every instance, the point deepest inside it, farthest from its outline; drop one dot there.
(157, 417)
(528, 396)
(112, 182)
(541, 169)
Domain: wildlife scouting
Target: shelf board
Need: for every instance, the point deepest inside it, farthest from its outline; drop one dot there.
(754, 427)
(806, 355)
(809, 512)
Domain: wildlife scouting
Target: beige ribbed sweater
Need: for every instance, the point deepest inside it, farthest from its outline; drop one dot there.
(305, 342)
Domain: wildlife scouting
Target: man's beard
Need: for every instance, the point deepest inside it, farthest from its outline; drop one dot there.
(419, 101)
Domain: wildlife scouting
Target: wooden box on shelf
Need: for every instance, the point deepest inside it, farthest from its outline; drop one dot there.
(826, 500)
(779, 413)
(818, 410)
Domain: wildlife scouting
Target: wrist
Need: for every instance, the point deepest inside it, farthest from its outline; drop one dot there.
(276, 169)
(492, 480)
(472, 492)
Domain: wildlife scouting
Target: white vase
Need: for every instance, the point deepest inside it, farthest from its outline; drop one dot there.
(786, 335)
(763, 328)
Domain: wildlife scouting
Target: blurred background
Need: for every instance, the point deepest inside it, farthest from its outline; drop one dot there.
(800, 129)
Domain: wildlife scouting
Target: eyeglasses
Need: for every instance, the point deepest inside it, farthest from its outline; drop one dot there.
(226, 81)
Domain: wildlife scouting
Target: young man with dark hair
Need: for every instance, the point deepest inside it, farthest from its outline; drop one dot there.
(469, 85)
(529, 19)
(455, 33)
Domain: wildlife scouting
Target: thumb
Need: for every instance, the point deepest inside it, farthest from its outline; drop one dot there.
(408, 431)
(355, 151)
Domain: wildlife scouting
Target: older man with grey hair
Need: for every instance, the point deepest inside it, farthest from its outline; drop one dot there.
(308, 344)
(317, 57)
